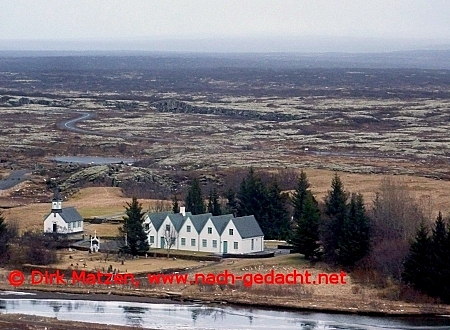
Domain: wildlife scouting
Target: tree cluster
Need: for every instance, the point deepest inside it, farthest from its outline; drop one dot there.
(342, 232)
(427, 266)
(266, 202)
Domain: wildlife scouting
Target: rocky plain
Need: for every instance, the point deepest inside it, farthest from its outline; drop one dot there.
(214, 116)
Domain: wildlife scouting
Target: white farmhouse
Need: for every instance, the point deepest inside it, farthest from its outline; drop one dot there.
(61, 220)
(222, 234)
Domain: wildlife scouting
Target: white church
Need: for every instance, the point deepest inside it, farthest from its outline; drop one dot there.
(223, 234)
(61, 220)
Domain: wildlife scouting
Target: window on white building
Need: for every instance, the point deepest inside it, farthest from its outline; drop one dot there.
(167, 227)
(192, 241)
(209, 230)
(204, 243)
(188, 229)
(236, 245)
(253, 243)
(183, 241)
(214, 243)
(152, 239)
(230, 231)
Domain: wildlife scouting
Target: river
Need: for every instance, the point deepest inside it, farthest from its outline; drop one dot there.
(198, 316)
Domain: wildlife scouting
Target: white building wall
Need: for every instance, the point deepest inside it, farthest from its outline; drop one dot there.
(162, 233)
(258, 244)
(60, 223)
(204, 235)
(62, 226)
(244, 245)
(77, 227)
(229, 240)
(150, 232)
(188, 236)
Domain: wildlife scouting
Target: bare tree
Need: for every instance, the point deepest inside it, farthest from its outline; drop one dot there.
(170, 238)
(396, 215)
(160, 206)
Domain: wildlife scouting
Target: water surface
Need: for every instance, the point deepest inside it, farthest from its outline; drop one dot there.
(197, 316)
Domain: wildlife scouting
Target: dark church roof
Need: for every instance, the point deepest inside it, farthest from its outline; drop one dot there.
(69, 214)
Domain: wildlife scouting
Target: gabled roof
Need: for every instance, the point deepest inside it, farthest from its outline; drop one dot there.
(248, 226)
(70, 214)
(177, 220)
(221, 221)
(199, 220)
(157, 218)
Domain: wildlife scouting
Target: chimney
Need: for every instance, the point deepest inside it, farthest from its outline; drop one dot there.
(183, 210)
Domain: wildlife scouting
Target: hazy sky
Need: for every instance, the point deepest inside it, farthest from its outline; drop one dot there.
(79, 20)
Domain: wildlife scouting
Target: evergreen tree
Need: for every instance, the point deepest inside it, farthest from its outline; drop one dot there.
(194, 200)
(445, 284)
(306, 236)
(438, 258)
(252, 197)
(231, 206)
(354, 241)
(277, 225)
(213, 203)
(175, 205)
(416, 268)
(299, 196)
(336, 210)
(133, 229)
(4, 238)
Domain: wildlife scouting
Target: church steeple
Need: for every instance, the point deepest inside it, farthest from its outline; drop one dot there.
(56, 202)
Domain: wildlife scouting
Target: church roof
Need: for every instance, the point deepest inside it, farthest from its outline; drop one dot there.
(69, 214)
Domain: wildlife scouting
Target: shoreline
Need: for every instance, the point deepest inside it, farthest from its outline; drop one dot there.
(313, 305)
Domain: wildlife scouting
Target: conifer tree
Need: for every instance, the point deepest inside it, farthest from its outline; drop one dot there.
(231, 205)
(306, 235)
(299, 196)
(133, 229)
(252, 197)
(354, 241)
(438, 258)
(336, 210)
(277, 225)
(175, 204)
(416, 268)
(4, 238)
(194, 200)
(213, 203)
